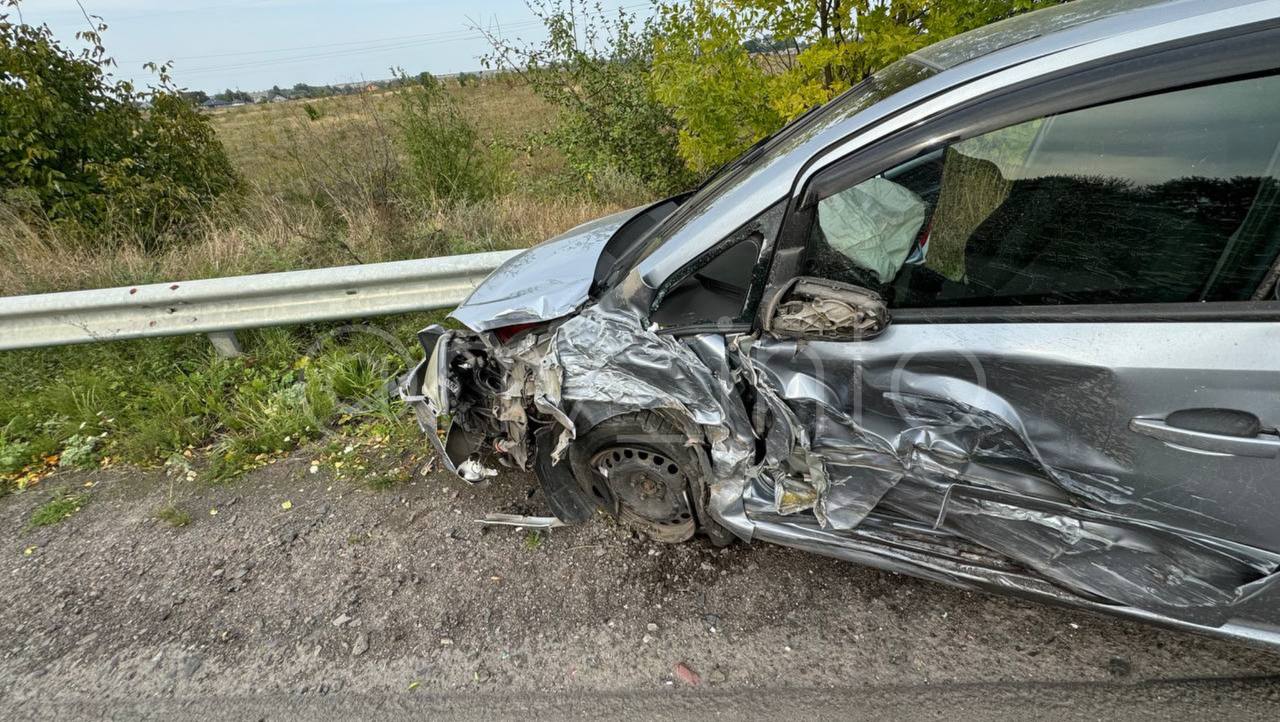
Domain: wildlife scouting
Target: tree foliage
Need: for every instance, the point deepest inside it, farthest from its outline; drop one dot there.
(726, 94)
(80, 147)
(233, 96)
(595, 68)
(713, 87)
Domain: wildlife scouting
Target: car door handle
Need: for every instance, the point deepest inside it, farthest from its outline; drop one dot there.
(1261, 445)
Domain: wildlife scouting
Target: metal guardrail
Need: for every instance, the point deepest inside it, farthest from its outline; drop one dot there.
(220, 306)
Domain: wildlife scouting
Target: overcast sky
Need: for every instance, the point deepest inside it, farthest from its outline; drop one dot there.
(254, 44)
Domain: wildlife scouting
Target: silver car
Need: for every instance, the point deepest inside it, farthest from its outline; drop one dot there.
(1003, 316)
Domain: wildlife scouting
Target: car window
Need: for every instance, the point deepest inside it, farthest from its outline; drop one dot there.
(721, 286)
(759, 160)
(1165, 198)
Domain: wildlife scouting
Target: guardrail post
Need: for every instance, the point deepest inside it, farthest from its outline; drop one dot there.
(226, 344)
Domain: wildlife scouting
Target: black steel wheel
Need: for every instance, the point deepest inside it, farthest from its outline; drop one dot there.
(651, 489)
(637, 466)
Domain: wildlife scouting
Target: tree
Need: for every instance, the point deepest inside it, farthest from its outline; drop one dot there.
(86, 149)
(595, 68)
(716, 90)
(727, 92)
(232, 96)
(302, 90)
(766, 44)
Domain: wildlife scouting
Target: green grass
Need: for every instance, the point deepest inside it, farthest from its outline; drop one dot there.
(146, 401)
(173, 516)
(57, 509)
(532, 539)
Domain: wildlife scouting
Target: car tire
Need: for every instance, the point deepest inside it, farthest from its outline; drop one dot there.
(638, 466)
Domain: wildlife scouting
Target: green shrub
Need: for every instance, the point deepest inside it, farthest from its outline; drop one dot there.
(595, 69)
(445, 157)
(711, 84)
(13, 454)
(727, 88)
(78, 452)
(82, 148)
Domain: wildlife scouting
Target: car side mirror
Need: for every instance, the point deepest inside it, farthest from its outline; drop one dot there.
(828, 310)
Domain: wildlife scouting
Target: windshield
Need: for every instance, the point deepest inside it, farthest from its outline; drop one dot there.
(888, 81)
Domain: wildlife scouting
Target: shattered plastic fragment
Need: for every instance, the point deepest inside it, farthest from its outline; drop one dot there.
(528, 522)
(472, 470)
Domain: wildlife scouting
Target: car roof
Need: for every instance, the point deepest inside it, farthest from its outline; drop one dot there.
(1050, 24)
(979, 55)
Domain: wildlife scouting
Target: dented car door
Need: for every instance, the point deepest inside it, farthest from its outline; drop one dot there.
(1054, 385)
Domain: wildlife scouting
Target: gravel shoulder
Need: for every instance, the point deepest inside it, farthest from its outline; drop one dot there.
(359, 599)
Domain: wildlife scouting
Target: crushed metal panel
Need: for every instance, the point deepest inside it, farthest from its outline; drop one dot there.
(545, 282)
(1112, 558)
(945, 451)
(941, 451)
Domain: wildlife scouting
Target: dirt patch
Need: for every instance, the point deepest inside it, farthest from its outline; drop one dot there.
(359, 591)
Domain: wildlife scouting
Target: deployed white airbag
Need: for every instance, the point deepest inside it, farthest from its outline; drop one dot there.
(874, 224)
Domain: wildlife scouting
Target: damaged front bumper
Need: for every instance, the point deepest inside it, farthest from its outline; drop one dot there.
(482, 399)
(430, 389)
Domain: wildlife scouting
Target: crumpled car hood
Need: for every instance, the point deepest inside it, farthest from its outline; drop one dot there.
(545, 282)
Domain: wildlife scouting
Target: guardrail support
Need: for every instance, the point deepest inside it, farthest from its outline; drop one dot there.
(226, 344)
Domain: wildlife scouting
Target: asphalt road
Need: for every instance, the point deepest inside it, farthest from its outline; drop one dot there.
(353, 602)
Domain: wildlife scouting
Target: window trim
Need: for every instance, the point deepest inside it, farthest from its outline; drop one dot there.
(1190, 63)
(759, 277)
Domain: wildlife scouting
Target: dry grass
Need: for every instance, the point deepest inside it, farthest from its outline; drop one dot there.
(328, 192)
(272, 236)
(265, 140)
(972, 188)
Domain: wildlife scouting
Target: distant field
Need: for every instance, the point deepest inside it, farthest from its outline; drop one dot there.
(323, 192)
(259, 137)
(320, 192)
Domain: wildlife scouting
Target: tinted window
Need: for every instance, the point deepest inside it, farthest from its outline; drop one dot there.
(1167, 198)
